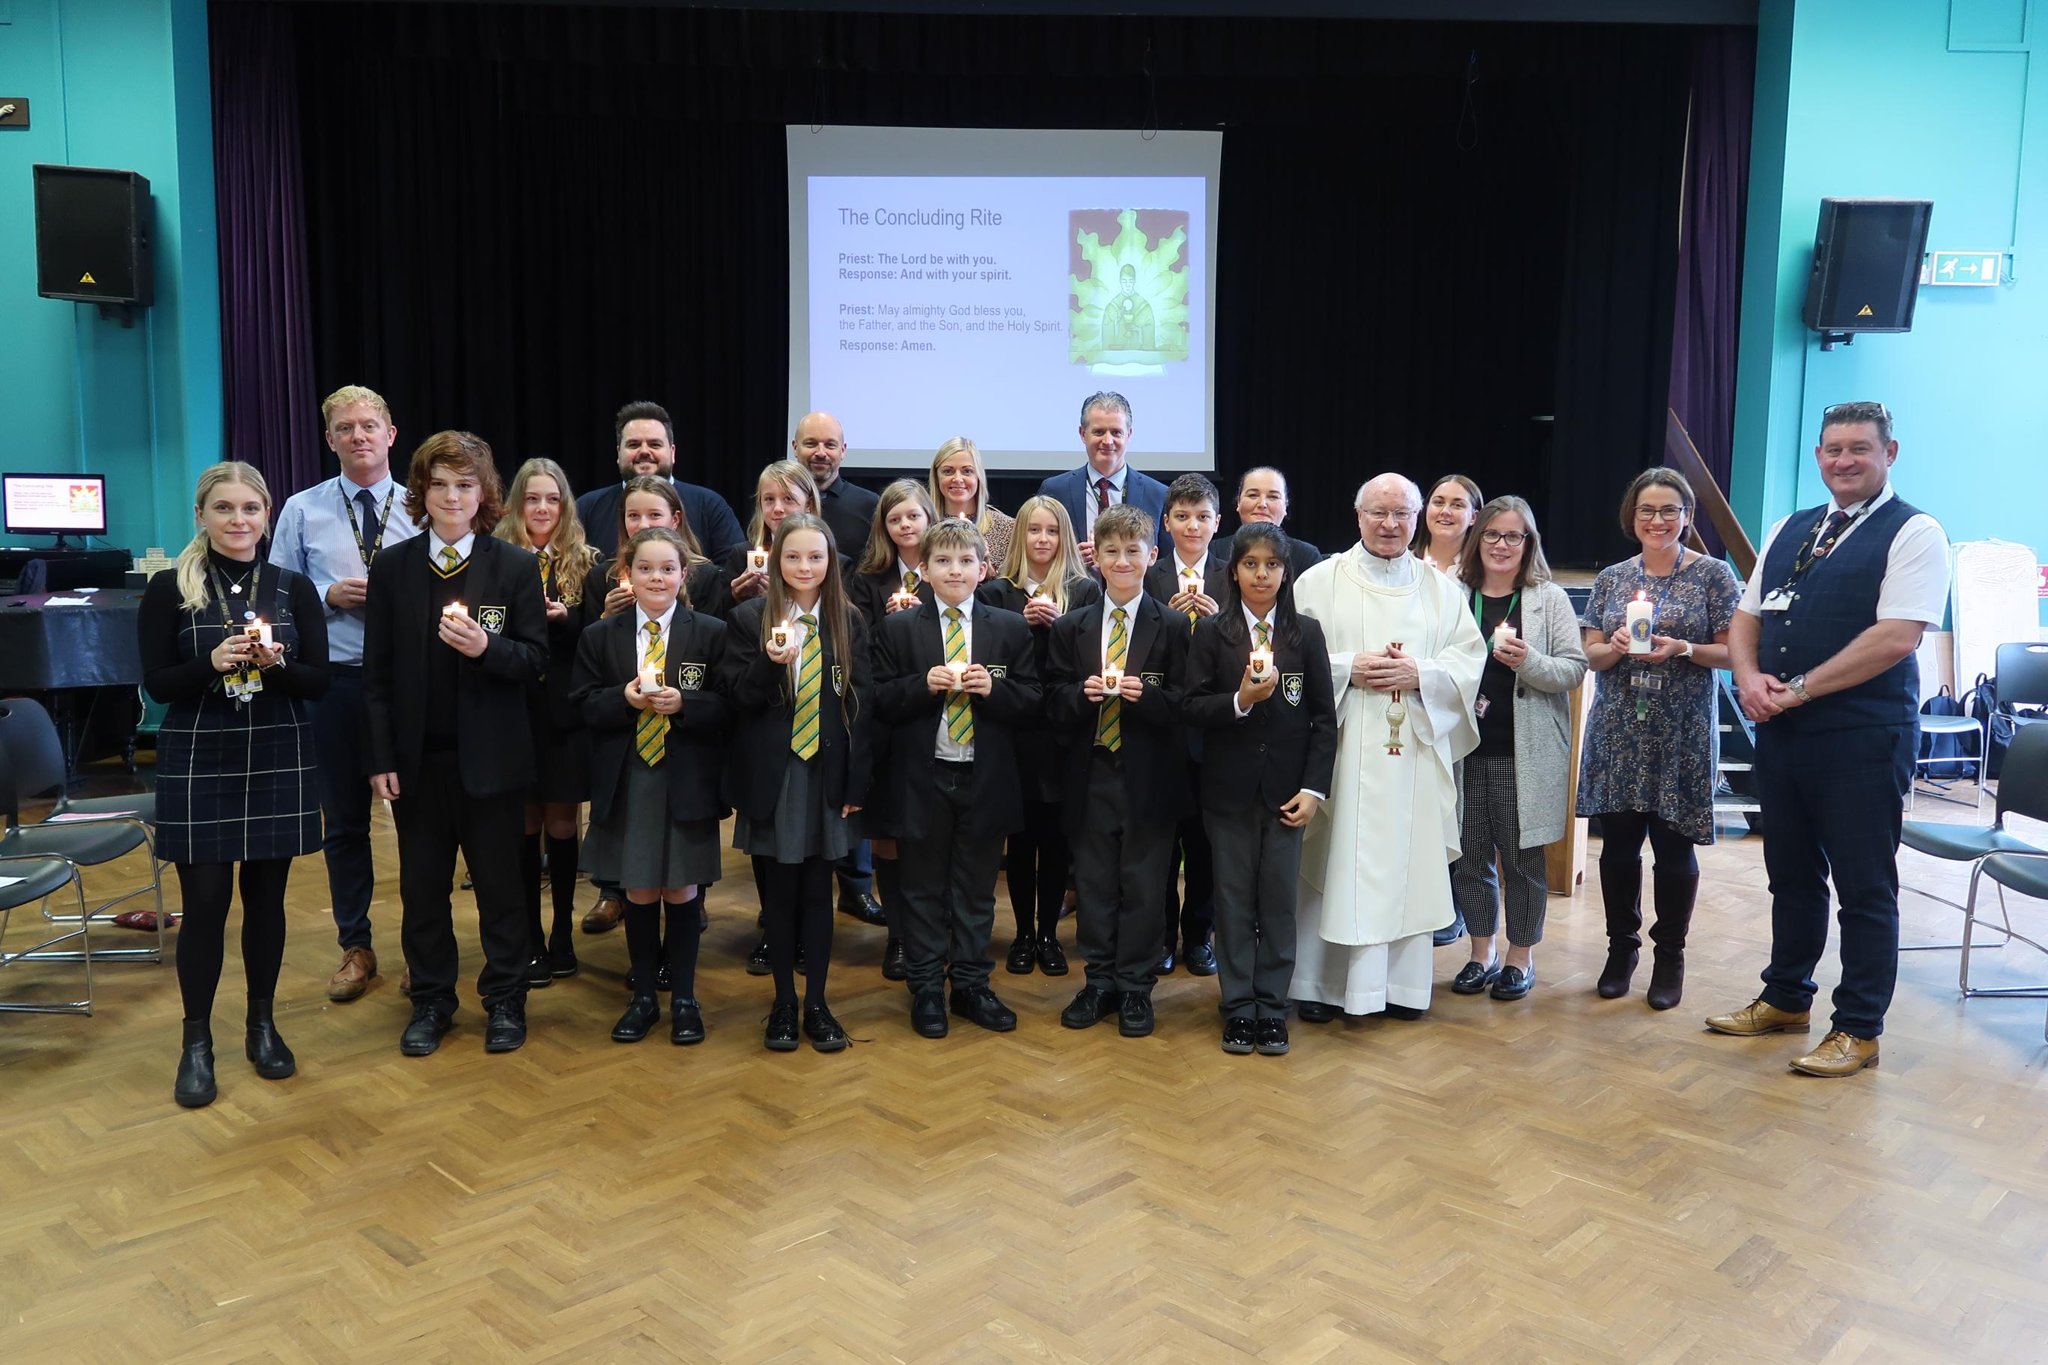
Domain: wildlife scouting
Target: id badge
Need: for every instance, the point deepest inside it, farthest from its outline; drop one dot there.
(1646, 682)
(241, 686)
(1779, 600)
(1479, 707)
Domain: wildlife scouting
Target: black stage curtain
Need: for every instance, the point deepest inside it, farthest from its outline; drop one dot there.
(1441, 246)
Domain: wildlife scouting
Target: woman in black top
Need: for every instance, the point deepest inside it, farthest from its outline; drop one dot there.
(236, 648)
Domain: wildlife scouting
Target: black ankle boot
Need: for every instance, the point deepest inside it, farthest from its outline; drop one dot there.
(1619, 971)
(1667, 978)
(195, 1088)
(274, 1061)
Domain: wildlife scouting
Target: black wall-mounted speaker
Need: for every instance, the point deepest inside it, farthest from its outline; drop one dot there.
(1866, 264)
(93, 235)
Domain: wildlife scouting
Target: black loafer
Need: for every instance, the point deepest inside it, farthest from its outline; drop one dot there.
(1514, 983)
(1052, 959)
(1166, 962)
(1475, 977)
(979, 1005)
(687, 1023)
(1272, 1037)
(757, 961)
(895, 966)
(863, 906)
(781, 1033)
(505, 1031)
(428, 1027)
(1134, 1015)
(1451, 932)
(1023, 952)
(643, 1012)
(1315, 1011)
(1239, 1036)
(539, 973)
(1089, 1007)
(823, 1030)
(928, 1014)
(1405, 1012)
(562, 959)
(1201, 960)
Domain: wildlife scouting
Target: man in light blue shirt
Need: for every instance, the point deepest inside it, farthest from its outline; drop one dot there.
(330, 533)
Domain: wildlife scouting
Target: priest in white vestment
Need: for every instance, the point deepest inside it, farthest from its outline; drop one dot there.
(1405, 659)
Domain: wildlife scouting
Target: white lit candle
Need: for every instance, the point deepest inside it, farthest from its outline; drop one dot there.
(902, 601)
(650, 679)
(1262, 663)
(455, 609)
(259, 631)
(757, 559)
(1640, 616)
(1502, 633)
(780, 636)
(959, 676)
(1112, 678)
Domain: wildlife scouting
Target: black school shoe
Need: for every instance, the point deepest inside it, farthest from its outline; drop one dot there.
(1273, 1037)
(1052, 959)
(424, 1033)
(1090, 1006)
(1475, 977)
(979, 1005)
(781, 1032)
(1239, 1036)
(505, 1031)
(1134, 1015)
(1201, 960)
(1514, 983)
(1023, 952)
(687, 1024)
(895, 962)
(1315, 1011)
(928, 1014)
(823, 1030)
(757, 961)
(643, 1012)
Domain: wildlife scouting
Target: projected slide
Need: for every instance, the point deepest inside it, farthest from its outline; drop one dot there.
(989, 305)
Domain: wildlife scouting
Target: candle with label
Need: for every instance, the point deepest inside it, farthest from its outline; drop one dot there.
(1641, 615)
(780, 636)
(650, 679)
(1262, 663)
(902, 601)
(959, 672)
(1112, 678)
(757, 559)
(1502, 633)
(259, 631)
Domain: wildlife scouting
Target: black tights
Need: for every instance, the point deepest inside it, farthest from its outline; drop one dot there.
(1037, 866)
(797, 897)
(208, 888)
(561, 884)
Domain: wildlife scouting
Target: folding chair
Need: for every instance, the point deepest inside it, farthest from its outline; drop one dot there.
(25, 881)
(2022, 790)
(86, 833)
(1950, 725)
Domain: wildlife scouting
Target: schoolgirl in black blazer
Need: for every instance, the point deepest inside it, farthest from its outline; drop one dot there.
(1269, 750)
(793, 807)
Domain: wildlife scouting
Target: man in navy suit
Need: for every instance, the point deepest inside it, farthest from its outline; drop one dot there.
(647, 445)
(1106, 480)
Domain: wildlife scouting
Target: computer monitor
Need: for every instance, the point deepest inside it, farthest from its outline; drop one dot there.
(57, 505)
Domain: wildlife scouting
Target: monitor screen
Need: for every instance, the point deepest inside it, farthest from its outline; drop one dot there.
(55, 504)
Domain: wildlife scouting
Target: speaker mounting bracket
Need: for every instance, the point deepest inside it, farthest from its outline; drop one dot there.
(121, 312)
(1828, 340)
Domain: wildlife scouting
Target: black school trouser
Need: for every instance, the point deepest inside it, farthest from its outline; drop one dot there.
(1258, 871)
(435, 819)
(947, 908)
(1120, 863)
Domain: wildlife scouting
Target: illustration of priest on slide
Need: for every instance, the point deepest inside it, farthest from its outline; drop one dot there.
(1129, 313)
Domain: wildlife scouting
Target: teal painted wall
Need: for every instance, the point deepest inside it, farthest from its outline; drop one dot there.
(124, 84)
(1908, 99)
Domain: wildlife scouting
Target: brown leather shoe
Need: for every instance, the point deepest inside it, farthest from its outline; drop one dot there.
(1839, 1054)
(352, 977)
(605, 915)
(1756, 1019)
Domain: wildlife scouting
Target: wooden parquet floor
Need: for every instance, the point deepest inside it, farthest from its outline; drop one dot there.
(1560, 1179)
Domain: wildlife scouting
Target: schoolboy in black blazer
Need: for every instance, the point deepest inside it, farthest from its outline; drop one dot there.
(448, 655)
(954, 788)
(1269, 751)
(1126, 773)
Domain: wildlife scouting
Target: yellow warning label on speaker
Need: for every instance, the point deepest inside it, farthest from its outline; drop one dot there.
(87, 278)
(1864, 312)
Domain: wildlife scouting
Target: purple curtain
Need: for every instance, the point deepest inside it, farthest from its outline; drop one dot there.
(1709, 302)
(266, 325)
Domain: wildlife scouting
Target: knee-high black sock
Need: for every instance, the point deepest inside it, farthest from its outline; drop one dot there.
(684, 935)
(778, 883)
(1020, 870)
(529, 873)
(206, 889)
(815, 903)
(263, 884)
(643, 930)
(562, 854)
(1054, 864)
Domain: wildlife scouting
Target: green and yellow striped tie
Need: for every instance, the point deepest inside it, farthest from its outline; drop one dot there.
(1109, 726)
(810, 677)
(451, 560)
(1194, 584)
(959, 711)
(1262, 635)
(650, 732)
(910, 581)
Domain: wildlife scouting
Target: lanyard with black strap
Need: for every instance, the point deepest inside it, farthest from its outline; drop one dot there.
(368, 550)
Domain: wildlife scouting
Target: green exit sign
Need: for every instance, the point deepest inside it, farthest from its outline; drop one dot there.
(1977, 268)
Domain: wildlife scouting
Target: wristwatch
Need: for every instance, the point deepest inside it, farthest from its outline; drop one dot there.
(1796, 685)
(1685, 649)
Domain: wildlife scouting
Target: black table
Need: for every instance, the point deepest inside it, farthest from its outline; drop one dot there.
(68, 650)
